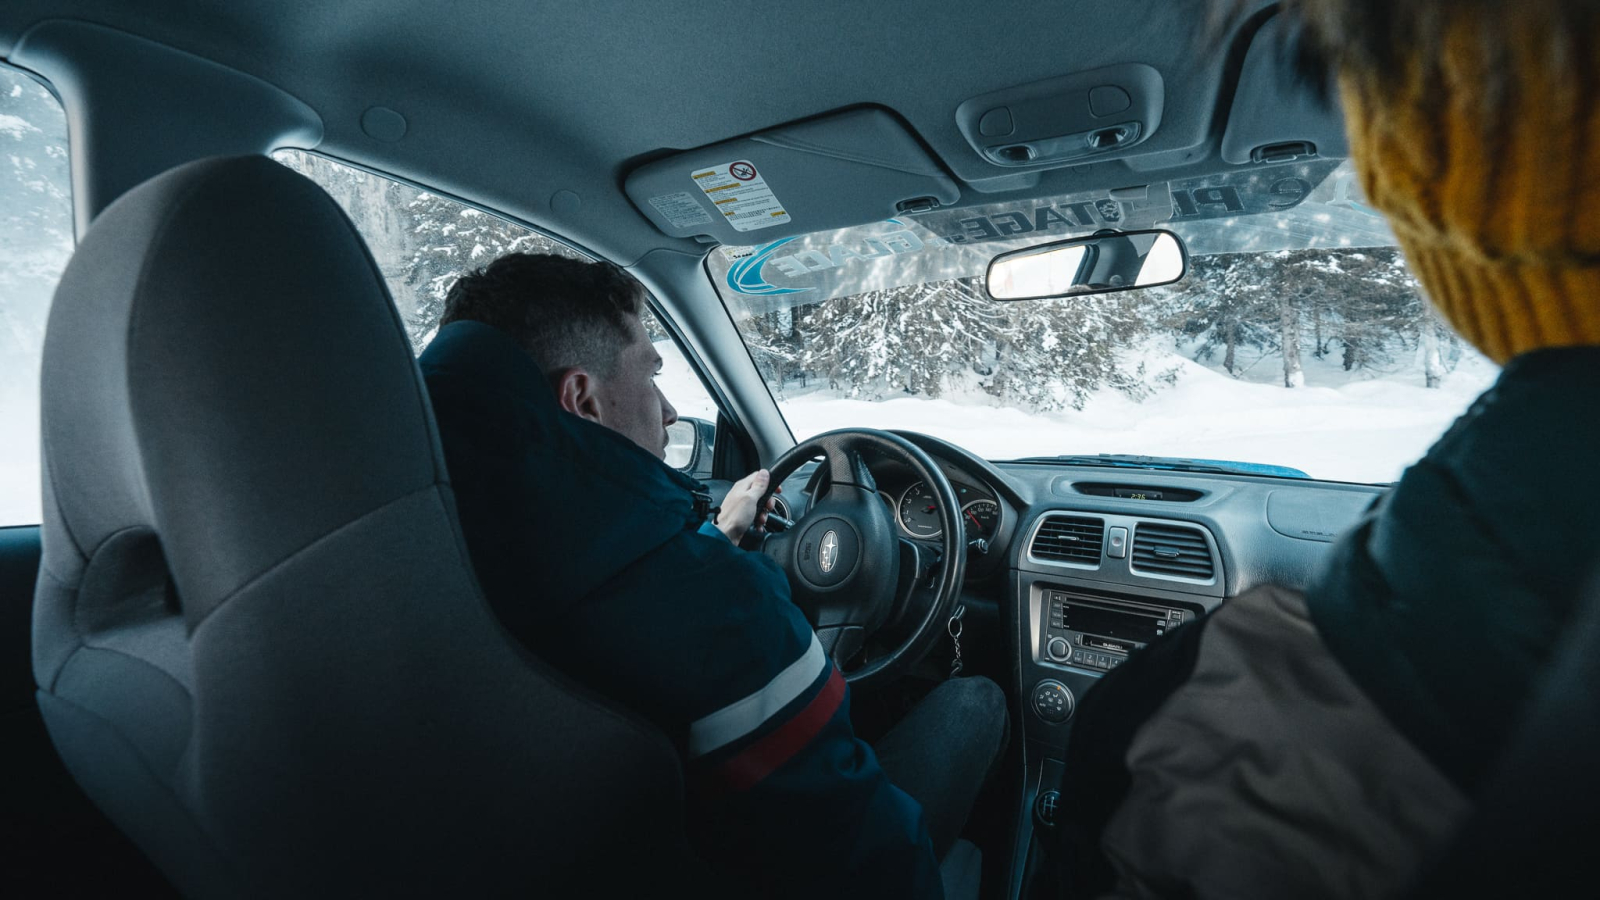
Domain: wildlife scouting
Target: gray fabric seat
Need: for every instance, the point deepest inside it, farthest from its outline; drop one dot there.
(258, 642)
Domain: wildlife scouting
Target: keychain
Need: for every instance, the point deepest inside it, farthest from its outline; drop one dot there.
(954, 628)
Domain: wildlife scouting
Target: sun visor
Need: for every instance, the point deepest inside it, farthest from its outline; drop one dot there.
(832, 172)
(1276, 117)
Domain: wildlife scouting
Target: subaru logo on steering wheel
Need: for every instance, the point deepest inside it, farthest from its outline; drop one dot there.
(829, 553)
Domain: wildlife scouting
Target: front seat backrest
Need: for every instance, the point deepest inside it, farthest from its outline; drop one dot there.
(258, 642)
(1534, 822)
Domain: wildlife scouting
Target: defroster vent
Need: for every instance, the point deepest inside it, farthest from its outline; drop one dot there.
(1069, 539)
(1172, 550)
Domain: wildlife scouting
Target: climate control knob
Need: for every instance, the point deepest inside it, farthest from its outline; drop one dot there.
(1052, 701)
(1058, 649)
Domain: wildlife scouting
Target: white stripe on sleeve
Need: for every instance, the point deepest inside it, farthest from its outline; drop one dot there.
(741, 717)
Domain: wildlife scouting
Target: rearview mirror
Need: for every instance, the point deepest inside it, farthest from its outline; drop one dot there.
(1097, 264)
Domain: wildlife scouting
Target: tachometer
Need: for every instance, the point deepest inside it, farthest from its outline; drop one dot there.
(981, 518)
(919, 511)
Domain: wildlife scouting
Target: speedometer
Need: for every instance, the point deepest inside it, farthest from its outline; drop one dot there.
(981, 518)
(919, 511)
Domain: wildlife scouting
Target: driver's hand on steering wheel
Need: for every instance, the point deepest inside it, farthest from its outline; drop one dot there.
(743, 508)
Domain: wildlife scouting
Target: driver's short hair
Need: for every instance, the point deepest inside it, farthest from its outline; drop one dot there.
(564, 312)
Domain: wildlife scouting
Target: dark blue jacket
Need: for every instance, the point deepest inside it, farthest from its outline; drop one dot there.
(1447, 601)
(589, 550)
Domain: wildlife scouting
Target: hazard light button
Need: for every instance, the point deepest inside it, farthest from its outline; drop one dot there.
(1117, 543)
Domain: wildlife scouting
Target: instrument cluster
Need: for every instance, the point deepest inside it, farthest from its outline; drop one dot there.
(916, 508)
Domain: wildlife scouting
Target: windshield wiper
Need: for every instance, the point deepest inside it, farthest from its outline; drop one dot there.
(1168, 463)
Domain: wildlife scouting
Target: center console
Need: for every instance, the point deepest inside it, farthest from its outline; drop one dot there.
(1090, 591)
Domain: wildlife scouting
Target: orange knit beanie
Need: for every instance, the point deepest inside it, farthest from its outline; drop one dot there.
(1483, 147)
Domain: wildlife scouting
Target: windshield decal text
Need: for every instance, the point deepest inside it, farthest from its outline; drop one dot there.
(998, 226)
(807, 261)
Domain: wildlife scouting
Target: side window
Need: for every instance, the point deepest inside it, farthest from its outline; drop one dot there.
(35, 243)
(423, 242)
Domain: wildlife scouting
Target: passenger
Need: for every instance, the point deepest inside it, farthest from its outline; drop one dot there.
(591, 552)
(1330, 744)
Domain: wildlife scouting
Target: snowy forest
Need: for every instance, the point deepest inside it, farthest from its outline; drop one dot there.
(35, 244)
(35, 214)
(423, 242)
(1361, 308)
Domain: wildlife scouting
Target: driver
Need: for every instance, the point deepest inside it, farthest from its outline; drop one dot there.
(592, 552)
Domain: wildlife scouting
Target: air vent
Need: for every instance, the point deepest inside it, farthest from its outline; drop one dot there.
(1171, 550)
(1069, 539)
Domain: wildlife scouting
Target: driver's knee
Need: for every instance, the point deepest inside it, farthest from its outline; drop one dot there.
(974, 708)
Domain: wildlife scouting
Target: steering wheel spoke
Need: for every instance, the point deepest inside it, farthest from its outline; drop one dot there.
(923, 558)
(842, 642)
(848, 466)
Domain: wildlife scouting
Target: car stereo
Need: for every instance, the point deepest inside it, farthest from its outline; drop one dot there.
(1098, 632)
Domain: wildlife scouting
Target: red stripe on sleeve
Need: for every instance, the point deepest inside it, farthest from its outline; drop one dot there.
(762, 758)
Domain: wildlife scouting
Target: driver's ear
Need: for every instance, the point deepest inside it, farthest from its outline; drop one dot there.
(575, 393)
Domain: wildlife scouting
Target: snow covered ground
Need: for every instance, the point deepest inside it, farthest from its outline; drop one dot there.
(1337, 427)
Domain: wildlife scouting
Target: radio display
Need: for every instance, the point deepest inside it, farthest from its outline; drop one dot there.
(1119, 624)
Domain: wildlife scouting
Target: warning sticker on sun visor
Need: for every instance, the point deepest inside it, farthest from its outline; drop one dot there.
(741, 195)
(681, 209)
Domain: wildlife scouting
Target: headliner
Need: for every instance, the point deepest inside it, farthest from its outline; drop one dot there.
(514, 101)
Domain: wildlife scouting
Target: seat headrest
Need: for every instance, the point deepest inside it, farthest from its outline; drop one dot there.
(223, 366)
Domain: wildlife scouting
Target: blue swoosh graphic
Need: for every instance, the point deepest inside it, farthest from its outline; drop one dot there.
(745, 275)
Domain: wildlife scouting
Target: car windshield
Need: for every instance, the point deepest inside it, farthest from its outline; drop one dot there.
(1298, 338)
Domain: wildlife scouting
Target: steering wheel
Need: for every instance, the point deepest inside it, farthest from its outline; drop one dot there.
(861, 585)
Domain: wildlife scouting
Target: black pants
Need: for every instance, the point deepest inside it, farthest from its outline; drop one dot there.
(944, 749)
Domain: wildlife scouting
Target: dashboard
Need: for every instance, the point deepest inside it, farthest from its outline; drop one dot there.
(1156, 534)
(1081, 566)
